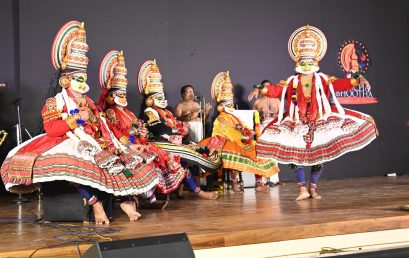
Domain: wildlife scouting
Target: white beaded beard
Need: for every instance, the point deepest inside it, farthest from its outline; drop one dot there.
(227, 109)
(160, 103)
(117, 101)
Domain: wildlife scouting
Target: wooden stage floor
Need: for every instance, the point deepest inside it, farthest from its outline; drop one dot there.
(348, 206)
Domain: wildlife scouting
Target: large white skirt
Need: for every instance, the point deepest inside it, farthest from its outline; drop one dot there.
(288, 142)
(64, 162)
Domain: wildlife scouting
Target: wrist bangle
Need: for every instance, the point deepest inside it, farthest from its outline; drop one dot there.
(71, 121)
(124, 140)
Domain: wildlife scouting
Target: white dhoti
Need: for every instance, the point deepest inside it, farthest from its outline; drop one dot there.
(196, 131)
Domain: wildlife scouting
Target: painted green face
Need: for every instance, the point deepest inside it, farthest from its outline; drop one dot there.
(160, 101)
(307, 66)
(79, 83)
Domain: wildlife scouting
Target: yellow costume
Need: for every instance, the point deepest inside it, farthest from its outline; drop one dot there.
(232, 137)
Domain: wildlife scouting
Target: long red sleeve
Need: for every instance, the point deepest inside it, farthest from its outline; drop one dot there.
(343, 84)
(274, 91)
(53, 124)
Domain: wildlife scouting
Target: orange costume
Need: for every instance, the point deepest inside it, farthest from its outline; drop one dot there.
(232, 137)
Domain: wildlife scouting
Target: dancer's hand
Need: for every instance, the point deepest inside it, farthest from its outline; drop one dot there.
(211, 151)
(185, 129)
(142, 131)
(84, 114)
(176, 139)
(137, 147)
(364, 82)
(253, 94)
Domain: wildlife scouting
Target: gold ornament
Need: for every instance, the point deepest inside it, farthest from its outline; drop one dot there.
(110, 100)
(149, 102)
(64, 81)
(3, 135)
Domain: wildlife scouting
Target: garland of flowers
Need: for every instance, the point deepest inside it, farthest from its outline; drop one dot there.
(294, 94)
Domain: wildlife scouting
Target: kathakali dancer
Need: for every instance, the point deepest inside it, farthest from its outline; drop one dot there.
(78, 146)
(233, 138)
(312, 132)
(167, 132)
(130, 130)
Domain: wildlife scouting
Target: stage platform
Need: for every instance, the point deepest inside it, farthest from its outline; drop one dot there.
(348, 206)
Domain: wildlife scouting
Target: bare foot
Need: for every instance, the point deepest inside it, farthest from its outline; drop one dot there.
(314, 193)
(208, 195)
(236, 187)
(303, 194)
(99, 214)
(129, 208)
(262, 188)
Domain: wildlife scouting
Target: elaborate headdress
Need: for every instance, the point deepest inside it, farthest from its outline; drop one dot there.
(149, 78)
(222, 88)
(307, 42)
(112, 76)
(69, 49)
(112, 72)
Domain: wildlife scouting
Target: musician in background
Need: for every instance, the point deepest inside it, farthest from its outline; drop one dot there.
(190, 111)
(267, 107)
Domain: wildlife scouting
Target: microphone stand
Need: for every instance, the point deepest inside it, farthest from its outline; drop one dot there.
(19, 125)
(19, 136)
(203, 117)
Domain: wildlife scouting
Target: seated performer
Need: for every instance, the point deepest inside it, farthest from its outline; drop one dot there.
(168, 132)
(78, 146)
(268, 109)
(232, 137)
(190, 111)
(130, 130)
(312, 131)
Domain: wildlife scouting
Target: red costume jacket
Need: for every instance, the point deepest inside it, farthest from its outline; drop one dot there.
(308, 107)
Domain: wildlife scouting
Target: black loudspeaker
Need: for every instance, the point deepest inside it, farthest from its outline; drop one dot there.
(175, 246)
(62, 202)
(395, 253)
(64, 207)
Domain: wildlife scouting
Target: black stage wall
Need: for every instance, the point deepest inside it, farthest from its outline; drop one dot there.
(194, 40)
